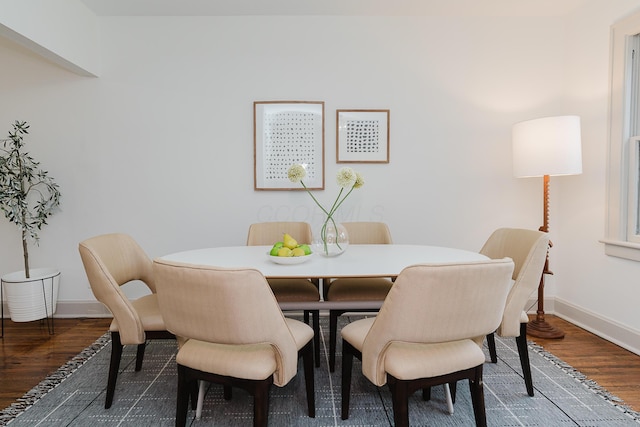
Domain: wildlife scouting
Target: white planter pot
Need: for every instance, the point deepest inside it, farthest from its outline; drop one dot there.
(33, 298)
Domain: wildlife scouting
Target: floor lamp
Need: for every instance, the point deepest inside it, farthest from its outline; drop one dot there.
(546, 147)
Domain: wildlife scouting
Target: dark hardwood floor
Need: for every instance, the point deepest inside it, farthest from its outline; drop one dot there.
(29, 354)
(611, 366)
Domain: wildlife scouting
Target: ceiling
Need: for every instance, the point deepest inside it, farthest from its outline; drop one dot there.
(334, 7)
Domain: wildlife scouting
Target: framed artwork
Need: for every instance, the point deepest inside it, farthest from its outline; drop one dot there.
(362, 136)
(286, 133)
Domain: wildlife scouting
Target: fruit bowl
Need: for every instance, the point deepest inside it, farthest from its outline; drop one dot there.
(288, 260)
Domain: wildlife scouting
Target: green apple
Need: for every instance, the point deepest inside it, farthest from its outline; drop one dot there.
(276, 248)
(306, 249)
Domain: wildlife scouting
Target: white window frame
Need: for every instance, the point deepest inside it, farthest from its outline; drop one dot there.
(621, 239)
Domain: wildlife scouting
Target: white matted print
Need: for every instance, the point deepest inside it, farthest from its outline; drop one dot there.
(362, 136)
(287, 133)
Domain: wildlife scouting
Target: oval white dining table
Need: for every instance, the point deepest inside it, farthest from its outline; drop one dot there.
(356, 261)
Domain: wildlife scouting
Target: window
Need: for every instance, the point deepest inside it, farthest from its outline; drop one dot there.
(623, 187)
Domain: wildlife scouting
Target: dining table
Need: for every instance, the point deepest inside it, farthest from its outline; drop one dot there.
(380, 260)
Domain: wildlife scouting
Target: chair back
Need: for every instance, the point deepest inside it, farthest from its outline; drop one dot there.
(528, 249)
(436, 303)
(268, 233)
(110, 261)
(368, 233)
(225, 306)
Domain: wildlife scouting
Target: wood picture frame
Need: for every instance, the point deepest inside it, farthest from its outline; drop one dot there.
(362, 136)
(287, 133)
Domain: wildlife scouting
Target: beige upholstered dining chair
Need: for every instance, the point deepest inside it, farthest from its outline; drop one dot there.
(357, 289)
(290, 290)
(231, 332)
(429, 331)
(110, 261)
(528, 249)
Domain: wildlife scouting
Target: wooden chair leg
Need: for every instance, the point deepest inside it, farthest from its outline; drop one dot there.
(347, 363)
(114, 366)
(261, 403)
(227, 392)
(477, 397)
(491, 343)
(316, 336)
(333, 332)
(183, 397)
(140, 355)
(309, 381)
(523, 352)
(426, 393)
(400, 398)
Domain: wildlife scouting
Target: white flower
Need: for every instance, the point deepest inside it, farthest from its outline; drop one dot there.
(296, 173)
(359, 180)
(346, 177)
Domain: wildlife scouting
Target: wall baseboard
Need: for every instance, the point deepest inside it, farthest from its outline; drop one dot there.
(607, 329)
(74, 309)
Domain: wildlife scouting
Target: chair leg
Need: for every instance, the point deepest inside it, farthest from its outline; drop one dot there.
(305, 316)
(347, 363)
(491, 343)
(316, 336)
(182, 404)
(140, 355)
(400, 398)
(333, 331)
(523, 352)
(114, 365)
(426, 393)
(309, 381)
(453, 387)
(477, 397)
(227, 392)
(261, 403)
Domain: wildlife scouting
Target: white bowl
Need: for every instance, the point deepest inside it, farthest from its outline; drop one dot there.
(288, 260)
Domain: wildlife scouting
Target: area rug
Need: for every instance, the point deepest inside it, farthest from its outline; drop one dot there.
(74, 395)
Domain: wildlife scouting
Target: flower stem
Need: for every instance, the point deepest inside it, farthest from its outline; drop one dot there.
(336, 204)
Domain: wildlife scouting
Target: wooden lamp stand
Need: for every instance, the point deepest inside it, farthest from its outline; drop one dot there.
(539, 327)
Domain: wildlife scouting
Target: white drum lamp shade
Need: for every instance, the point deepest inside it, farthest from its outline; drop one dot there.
(547, 146)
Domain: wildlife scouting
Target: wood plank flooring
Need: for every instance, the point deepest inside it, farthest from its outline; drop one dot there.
(29, 354)
(611, 366)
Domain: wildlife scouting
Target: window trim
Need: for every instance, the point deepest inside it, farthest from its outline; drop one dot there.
(619, 208)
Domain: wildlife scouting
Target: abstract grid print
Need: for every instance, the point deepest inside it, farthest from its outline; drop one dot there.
(362, 136)
(289, 138)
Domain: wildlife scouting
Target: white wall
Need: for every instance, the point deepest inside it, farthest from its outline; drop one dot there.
(64, 31)
(592, 288)
(161, 145)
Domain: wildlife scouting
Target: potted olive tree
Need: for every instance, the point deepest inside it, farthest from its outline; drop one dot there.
(28, 196)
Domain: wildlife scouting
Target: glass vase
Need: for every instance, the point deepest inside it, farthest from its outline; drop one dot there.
(330, 240)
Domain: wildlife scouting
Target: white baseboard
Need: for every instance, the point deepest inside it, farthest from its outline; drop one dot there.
(603, 327)
(73, 309)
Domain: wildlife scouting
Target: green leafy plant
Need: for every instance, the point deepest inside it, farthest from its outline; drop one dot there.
(28, 195)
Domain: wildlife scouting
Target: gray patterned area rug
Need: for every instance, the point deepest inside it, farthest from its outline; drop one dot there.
(74, 395)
